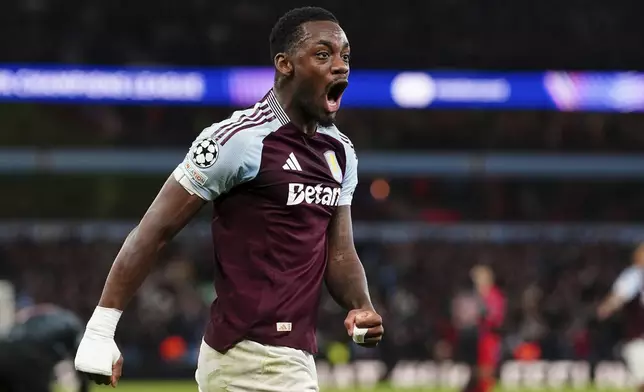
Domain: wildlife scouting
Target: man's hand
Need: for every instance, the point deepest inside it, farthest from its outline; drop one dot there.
(97, 355)
(370, 324)
(610, 304)
(347, 283)
(603, 312)
(100, 359)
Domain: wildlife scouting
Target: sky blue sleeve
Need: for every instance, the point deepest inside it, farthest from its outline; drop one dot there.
(628, 284)
(211, 169)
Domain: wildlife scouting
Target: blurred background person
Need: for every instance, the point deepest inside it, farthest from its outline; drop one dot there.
(627, 293)
(42, 337)
(491, 317)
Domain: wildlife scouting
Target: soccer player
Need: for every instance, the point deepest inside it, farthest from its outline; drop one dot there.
(627, 293)
(281, 179)
(43, 336)
(489, 336)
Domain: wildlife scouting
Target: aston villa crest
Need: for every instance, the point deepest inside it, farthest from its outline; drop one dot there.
(334, 166)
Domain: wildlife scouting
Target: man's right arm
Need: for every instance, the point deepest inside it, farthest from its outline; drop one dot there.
(208, 171)
(170, 211)
(97, 354)
(625, 288)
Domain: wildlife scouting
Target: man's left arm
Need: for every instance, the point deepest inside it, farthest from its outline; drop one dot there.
(347, 281)
(627, 285)
(345, 276)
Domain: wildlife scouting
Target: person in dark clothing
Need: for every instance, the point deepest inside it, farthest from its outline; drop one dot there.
(42, 336)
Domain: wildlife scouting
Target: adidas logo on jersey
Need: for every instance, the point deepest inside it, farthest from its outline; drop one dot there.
(318, 194)
(292, 163)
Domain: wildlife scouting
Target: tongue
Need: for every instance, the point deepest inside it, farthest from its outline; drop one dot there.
(332, 105)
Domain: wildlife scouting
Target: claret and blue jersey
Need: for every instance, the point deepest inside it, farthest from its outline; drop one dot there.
(274, 191)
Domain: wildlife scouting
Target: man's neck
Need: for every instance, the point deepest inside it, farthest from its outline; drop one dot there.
(285, 98)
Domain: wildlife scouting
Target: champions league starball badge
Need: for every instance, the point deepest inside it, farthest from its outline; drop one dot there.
(205, 153)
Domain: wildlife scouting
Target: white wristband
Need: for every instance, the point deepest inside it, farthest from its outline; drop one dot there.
(104, 321)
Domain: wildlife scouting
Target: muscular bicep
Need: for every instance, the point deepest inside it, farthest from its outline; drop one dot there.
(340, 234)
(171, 210)
(208, 171)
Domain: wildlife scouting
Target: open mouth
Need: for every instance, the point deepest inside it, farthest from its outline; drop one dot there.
(334, 94)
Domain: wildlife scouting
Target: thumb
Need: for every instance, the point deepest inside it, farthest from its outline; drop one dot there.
(116, 353)
(117, 371)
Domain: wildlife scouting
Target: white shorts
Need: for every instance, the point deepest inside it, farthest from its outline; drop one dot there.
(251, 366)
(633, 353)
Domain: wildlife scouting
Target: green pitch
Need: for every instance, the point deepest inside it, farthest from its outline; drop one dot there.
(186, 386)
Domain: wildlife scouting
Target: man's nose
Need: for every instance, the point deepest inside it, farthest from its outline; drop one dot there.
(339, 66)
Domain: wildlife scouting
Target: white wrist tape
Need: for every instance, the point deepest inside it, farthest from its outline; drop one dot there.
(359, 333)
(103, 322)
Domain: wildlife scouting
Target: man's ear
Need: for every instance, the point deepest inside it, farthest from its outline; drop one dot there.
(283, 64)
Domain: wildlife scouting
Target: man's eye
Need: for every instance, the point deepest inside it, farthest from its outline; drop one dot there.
(322, 55)
(346, 57)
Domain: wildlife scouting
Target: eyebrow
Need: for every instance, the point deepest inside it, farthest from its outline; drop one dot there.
(329, 44)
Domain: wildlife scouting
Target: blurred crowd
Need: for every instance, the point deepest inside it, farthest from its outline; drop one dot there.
(445, 200)
(49, 126)
(552, 292)
(377, 198)
(454, 33)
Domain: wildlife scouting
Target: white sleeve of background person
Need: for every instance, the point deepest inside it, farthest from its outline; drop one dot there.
(350, 179)
(233, 163)
(628, 284)
(7, 306)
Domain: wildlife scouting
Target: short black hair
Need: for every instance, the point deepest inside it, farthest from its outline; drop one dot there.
(287, 31)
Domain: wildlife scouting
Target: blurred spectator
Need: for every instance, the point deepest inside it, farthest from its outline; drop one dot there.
(426, 306)
(438, 34)
(409, 130)
(443, 200)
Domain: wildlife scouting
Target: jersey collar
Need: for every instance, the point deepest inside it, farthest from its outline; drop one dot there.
(276, 107)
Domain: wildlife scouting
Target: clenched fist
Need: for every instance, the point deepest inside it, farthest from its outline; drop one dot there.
(365, 327)
(97, 354)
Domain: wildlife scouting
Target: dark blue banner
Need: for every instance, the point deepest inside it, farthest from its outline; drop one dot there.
(242, 86)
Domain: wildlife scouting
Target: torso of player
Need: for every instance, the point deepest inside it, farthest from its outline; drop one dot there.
(629, 284)
(634, 317)
(634, 323)
(269, 223)
(494, 315)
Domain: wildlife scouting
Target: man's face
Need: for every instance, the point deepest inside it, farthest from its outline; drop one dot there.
(638, 256)
(482, 276)
(321, 69)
